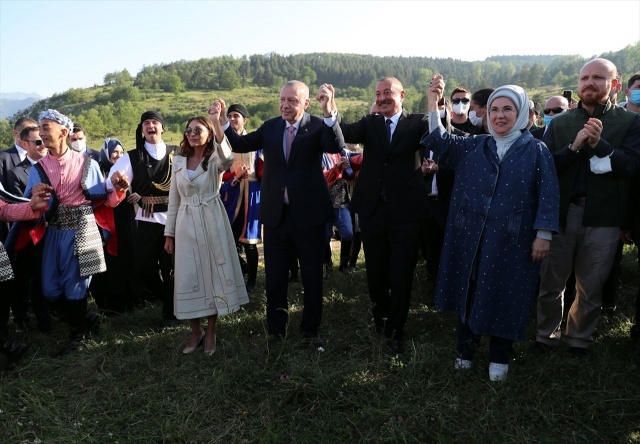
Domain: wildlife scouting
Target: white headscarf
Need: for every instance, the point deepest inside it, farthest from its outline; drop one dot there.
(519, 97)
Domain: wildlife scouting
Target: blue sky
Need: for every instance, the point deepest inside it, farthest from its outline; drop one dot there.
(51, 46)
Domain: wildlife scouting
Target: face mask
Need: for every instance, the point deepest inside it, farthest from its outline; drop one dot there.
(635, 97)
(461, 108)
(79, 145)
(475, 120)
(547, 120)
(443, 113)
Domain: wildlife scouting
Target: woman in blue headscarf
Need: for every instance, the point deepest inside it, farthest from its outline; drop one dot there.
(503, 211)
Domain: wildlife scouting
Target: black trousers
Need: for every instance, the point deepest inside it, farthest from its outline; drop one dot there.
(307, 243)
(154, 265)
(390, 253)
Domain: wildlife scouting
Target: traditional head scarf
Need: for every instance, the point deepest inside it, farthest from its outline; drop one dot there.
(146, 116)
(56, 116)
(106, 151)
(519, 97)
(240, 109)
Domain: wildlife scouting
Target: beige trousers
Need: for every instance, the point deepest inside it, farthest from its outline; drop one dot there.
(590, 252)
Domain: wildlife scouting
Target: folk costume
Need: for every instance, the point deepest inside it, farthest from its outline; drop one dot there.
(72, 244)
(148, 168)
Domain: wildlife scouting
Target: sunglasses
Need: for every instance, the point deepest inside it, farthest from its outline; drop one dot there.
(456, 101)
(36, 142)
(197, 131)
(556, 110)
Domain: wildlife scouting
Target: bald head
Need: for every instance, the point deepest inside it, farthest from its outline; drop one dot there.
(596, 79)
(603, 64)
(557, 101)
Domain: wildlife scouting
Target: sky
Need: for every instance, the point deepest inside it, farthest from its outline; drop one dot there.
(48, 47)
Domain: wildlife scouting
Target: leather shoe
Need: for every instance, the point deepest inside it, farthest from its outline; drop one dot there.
(190, 349)
(210, 349)
(581, 354)
(539, 348)
(13, 349)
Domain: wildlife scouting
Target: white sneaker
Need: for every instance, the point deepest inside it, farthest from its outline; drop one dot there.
(498, 372)
(462, 364)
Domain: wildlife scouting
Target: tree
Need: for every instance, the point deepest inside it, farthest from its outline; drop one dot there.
(171, 83)
(125, 92)
(229, 79)
(6, 133)
(117, 78)
(126, 115)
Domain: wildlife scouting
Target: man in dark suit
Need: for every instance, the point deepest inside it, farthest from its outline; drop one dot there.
(10, 157)
(391, 200)
(27, 283)
(77, 140)
(295, 204)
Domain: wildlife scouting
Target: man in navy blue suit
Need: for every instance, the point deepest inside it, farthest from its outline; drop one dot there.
(295, 204)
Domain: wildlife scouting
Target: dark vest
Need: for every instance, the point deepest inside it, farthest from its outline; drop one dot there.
(151, 177)
(606, 195)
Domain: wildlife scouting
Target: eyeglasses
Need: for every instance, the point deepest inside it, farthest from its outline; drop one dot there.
(36, 142)
(556, 110)
(456, 101)
(197, 130)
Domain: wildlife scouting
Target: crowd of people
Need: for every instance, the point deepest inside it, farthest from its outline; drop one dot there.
(507, 215)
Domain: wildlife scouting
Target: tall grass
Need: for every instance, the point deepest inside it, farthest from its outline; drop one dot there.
(131, 384)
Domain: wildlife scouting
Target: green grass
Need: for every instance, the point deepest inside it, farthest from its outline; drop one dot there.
(131, 384)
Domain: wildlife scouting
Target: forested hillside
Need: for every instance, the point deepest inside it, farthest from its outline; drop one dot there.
(182, 89)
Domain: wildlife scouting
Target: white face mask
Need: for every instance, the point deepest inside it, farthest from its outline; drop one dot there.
(443, 113)
(461, 108)
(475, 120)
(79, 145)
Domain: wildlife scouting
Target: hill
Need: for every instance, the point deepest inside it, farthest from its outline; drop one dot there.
(11, 103)
(181, 89)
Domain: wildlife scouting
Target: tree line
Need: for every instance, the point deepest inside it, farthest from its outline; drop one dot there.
(114, 107)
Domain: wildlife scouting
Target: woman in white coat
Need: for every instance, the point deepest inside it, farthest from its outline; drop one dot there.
(208, 277)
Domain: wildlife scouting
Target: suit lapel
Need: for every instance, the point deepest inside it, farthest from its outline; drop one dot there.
(296, 144)
(403, 122)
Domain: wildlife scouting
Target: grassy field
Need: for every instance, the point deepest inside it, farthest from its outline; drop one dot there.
(131, 384)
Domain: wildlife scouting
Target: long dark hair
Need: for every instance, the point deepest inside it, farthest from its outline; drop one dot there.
(185, 148)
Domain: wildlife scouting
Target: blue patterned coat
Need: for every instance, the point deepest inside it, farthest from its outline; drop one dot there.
(486, 273)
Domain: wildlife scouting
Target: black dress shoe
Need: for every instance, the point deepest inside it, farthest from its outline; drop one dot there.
(13, 349)
(251, 286)
(275, 340)
(581, 354)
(394, 346)
(540, 348)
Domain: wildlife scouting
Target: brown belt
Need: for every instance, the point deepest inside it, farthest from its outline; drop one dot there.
(147, 203)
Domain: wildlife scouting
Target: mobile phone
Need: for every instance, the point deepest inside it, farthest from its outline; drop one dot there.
(567, 93)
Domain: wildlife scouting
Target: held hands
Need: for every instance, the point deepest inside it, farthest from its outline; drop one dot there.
(435, 92)
(120, 181)
(242, 173)
(326, 97)
(133, 198)
(342, 164)
(540, 249)
(429, 166)
(40, 195)
(218, 111)
(168, 244)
